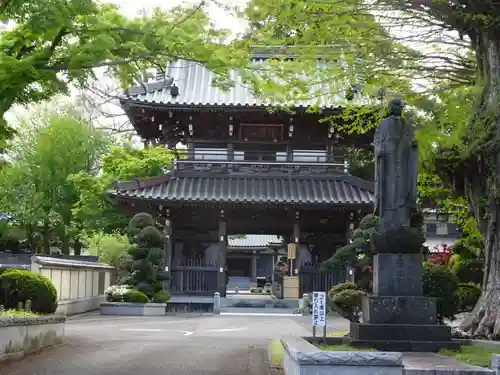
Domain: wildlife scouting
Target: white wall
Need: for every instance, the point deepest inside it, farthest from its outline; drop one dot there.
(79, 289)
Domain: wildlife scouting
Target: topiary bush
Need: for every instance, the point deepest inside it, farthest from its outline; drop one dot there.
(18, 286)
(346, 299)
(439, 282)
(135, 296)
(469, 270)
(161, 297)
(147, 254)
(348, 303)
(341, 287)
(468, 294)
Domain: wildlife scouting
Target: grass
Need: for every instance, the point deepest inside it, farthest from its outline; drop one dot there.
(14, 313)
(338, 334)
(473, 355)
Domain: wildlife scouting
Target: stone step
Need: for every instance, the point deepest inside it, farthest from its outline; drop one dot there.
(400, 332)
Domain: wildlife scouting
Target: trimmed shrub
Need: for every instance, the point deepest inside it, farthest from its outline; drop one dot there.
(469, 270)
(468, 294)
(441, 283)
(348, 303)
(135, 296)
(346, 299)
(161, 297)
(341, 287)
(18, 286)
(147, 253)
(252, 290)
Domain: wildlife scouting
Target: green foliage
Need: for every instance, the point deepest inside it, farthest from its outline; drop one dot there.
(135, 296)
(161, 297)
(147, 267)
(341, 287)
(77, 35)
(441, 283)
(468, 294)
(110, 248)
(468, 270)
(36, 187)
(20, 286)
(398, 240)
(346, 299)
(349, 254)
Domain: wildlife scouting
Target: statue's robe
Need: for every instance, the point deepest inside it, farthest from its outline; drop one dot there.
(396, 172)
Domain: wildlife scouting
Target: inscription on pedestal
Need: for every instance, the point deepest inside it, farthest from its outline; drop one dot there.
(397, 275)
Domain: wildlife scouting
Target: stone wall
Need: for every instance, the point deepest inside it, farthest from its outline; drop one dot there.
(80, 285)
(303, 358)
(21, 336)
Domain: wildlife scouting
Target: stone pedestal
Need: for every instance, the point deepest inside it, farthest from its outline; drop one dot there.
(397, 317)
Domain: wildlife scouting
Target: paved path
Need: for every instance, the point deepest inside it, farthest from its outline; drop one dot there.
(223, 345)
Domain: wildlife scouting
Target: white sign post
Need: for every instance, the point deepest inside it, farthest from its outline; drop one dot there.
(319, 313)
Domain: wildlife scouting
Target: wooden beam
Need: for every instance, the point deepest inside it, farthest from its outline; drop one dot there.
(168, 247)
(222, 254)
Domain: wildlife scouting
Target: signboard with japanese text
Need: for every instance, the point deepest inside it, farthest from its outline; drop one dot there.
(319, 309)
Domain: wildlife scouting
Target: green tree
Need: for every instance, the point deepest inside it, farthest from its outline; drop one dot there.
(57, 43)
(457, 71)
(93, 207)
(36, 187)
(109, 248)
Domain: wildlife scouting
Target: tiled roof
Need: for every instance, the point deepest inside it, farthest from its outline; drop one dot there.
(338, 190)
(254, 240)
(195, 83)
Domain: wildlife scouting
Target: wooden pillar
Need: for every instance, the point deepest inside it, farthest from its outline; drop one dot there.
(168, 247)
(295, 240)
(254, 266)
(222, 274)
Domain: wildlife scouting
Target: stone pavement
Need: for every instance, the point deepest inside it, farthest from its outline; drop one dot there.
(223, 345)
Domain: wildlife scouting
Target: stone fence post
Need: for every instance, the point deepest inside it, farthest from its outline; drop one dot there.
(216, 303)
(495, 363)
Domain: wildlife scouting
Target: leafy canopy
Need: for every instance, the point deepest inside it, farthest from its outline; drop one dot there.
(56, 43)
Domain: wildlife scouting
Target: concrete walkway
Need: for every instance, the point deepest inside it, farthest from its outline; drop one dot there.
(223, 345)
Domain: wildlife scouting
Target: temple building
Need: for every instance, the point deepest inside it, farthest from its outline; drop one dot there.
(247, 168)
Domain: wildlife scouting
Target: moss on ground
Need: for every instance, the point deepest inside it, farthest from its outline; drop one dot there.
(277, 353)
(13, 313)
(473, 355)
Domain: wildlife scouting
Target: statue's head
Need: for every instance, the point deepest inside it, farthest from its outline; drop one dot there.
(396, 107)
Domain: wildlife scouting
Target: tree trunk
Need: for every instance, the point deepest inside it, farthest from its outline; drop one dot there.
(46, 236)
(77, 247)
(484, 321)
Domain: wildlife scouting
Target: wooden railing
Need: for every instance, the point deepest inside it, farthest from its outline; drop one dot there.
(194, 276)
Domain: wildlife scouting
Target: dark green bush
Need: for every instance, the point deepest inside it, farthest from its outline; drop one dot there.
(161, 297)
(341, 287)
(18, 286)
(135, 296)
(468, 294)
(147, 253)
(348, 303)
(441, 283)
(469, 270)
